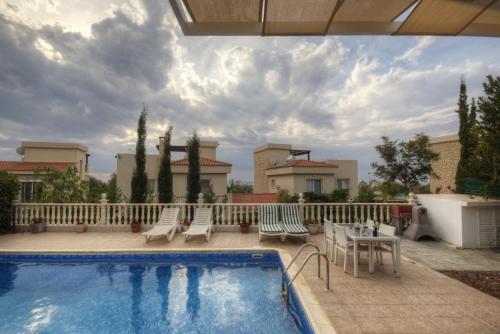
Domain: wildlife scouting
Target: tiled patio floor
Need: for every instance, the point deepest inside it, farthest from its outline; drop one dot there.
(421, 301)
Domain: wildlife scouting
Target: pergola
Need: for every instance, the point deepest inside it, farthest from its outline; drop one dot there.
(338, 17)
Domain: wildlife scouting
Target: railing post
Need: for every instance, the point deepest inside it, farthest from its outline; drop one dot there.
(200, 200)
(102, 209)
(13, 216)
(301, 206)
(412, 199)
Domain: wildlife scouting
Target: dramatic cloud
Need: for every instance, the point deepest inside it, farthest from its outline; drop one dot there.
(82, 72)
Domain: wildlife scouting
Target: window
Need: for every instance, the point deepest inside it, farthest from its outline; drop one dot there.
(313, 185)
(205, 186)
(343, 184)
(151, 186)
(273, 183)
(29, 189)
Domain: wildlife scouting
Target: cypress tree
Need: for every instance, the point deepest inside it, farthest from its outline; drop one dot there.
(464, 136)
(139, 182)
(193, 178)
(165, 193)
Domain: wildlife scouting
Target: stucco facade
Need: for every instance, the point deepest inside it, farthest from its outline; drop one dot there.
(212, 172)
(275, 168)
(448, 148)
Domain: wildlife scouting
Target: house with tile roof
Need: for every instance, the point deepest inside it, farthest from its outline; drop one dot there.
(41, 155)
(279, 166)
(213, 172)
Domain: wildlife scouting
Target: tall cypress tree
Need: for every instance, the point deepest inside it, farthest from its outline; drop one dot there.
(464, 137)
(139, 182)
(165, 193)
(193, 178)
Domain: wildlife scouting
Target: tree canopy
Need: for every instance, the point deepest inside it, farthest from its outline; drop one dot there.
(406, 162)
(139, 183)
(61, 186)
(165, 192)
(193, 178)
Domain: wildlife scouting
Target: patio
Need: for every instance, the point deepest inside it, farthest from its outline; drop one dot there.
(422, 300)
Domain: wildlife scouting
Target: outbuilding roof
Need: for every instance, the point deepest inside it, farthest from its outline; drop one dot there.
(23, 166)
(203, 162)
(304, 163)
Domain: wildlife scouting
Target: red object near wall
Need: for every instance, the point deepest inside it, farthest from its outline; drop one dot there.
(401, 211)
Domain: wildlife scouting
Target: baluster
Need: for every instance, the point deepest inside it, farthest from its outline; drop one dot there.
(64, 214)
(306, 212)
(342, 214)
(159, 209)
(235, 212)
(223, 215)
(252, 215)
(387, 213)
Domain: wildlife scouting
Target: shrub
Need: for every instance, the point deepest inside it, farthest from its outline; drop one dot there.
(9, 187)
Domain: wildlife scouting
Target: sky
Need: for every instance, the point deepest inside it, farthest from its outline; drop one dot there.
(81, 71)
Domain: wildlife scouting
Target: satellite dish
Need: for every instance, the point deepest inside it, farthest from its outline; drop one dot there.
(291, 157)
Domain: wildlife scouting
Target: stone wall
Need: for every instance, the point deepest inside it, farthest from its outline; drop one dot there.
(448, 148)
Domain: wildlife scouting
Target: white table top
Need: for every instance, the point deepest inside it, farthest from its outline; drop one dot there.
(366, 234)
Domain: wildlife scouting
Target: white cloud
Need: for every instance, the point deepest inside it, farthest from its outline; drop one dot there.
(413, 54)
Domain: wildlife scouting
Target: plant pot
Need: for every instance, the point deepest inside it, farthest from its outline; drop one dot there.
(136, 227)
(37, 227)
(244, 227)
(313, 228)
(80, 228)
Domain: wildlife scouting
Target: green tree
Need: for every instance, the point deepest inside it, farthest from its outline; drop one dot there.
(209, 195)
(489, 128)
(61, 186)
(139, 183)
(113, 193)
(193, 177)
(406, 162)
(9, 187)
(96, 188)
(467, 165)
(237, 187)
(365, 193)
(165, 193)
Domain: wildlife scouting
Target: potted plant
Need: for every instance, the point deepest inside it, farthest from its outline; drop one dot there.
(312, 226)
(244, 226)
(37, 225)
(80, 227)
(135, 226)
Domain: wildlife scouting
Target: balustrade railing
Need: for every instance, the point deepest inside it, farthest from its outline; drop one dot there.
(223, 213)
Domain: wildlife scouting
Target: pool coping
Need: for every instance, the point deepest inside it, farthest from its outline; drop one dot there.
(310, 305)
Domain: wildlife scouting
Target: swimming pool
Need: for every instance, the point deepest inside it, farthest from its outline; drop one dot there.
(182, 292)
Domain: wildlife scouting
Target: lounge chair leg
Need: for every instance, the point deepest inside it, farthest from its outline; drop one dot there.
(336, 253)
(345, 260)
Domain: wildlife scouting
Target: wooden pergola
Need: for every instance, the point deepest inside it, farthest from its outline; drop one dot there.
(338, 17)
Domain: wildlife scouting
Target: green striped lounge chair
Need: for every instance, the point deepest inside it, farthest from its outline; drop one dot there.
(291, 222)
(269, 223)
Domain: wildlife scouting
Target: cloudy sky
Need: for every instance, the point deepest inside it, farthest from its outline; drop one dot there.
(81, 70)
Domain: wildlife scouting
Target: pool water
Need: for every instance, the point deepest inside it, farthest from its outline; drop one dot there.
(146, 293)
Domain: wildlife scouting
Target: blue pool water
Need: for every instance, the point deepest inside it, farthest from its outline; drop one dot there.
(146, 293)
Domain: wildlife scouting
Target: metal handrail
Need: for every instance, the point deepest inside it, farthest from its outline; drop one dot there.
(295, 258)
(286, 292)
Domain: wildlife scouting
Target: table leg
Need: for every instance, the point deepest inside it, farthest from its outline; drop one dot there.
(355, 259)
(371, 264)
(398, 259)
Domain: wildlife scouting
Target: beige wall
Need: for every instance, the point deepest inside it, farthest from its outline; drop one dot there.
(448, 148)
(208, 148)
(348, 169)
(125, 164)
(263, 157)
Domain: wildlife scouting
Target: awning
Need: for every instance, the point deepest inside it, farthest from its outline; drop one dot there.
(338, 17)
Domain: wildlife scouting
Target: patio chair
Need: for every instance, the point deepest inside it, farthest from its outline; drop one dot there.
(269, 223)
(291, 222)
(166, 226)
(329, 237)
(343, 244)
(391, 231)
(202, 224)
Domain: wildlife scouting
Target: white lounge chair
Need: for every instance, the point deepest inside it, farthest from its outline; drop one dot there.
(166, 226)
(269, 223)
(291, 222)
(202, 224)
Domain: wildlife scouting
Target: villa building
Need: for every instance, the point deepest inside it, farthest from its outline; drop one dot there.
(40, 155)
(213, 173)
(448, 148)
(276, 167)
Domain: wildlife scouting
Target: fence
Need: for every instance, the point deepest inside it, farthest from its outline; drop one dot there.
(66, 214)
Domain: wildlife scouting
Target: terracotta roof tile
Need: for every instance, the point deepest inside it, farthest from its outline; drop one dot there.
(203, 162)
(23, 166)
(303, 163)
(255, 198)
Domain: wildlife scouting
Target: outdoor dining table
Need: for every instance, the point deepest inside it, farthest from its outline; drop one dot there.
(365, 236)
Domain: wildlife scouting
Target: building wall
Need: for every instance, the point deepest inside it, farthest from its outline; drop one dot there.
(217, 181)
(348, 169)
(448, 148)
(125, 164)
(263, 157)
